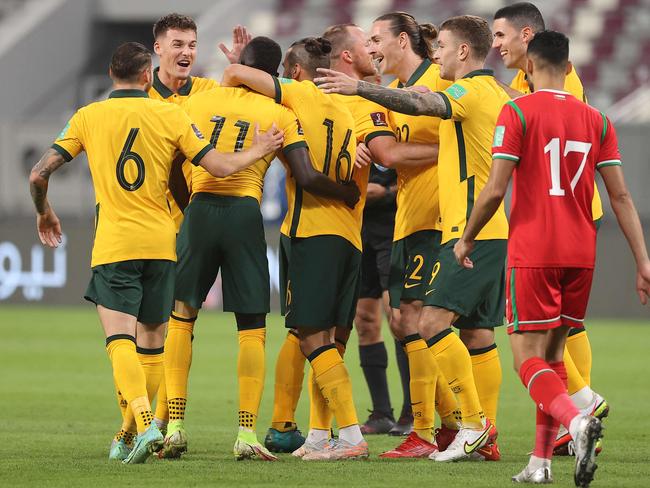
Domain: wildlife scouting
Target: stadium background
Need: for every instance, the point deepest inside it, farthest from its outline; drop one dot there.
(54, 55)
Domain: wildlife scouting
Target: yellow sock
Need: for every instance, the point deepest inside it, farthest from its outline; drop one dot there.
(250, 373)
(486, 367)
(446, 404)
(162, 410)
(178, 357)
(130, 379)
(334, 382)
(128, 428)
(152, 362)
(128, 436)
(579, 347)
(320, 415)
(454, 361)
(575, 381)
(424, 372)
(289, 373)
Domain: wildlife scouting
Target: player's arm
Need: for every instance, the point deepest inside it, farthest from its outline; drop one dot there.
(178, 184)
(396, 99)
(389, 153)
(485, 207)
(47, 223)
(315, 182)
(511, 92)
(255, 79)
(628, 221)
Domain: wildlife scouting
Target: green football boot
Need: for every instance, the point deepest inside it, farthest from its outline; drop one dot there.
(175, 441)
(248, 447)
(150, 441)
(289, 441)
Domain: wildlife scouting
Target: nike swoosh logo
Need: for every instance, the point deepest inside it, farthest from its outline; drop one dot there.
(428, 292)
(409, 285)
(470, 448)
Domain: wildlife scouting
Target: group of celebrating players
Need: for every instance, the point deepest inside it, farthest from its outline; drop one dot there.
(178, 176)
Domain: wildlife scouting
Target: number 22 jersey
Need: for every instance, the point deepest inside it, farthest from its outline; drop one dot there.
(558, 142)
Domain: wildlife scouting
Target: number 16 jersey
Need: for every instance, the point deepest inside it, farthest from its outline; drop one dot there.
(131, 141)
(558, 142)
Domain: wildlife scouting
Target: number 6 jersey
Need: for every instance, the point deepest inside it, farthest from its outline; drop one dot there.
(558, 142)
(130, 141)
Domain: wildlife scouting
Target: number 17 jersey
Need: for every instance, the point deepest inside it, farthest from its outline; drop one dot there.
(558, 142)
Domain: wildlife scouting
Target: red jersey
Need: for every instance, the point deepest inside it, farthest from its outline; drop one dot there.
(558, 143)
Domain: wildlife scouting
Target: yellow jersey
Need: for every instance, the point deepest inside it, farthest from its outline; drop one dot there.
(229, 115)
(466, 132)
(417, 187)
(159, 91)
(573, 85)
(130, 158)
(330, 133)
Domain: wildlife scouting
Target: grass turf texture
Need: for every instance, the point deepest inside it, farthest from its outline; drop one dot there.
(59, 413)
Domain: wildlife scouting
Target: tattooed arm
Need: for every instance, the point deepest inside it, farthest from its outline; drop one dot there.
(395, 99)
(47, 223)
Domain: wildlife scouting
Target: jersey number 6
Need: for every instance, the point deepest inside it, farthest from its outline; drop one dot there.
(343, 154)
(127, 155)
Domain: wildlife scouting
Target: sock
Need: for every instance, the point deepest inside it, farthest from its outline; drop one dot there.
(583, 398)
(486, 367)
(546, 428)
(250, 371)
(126, 435)
(130, 378)
(320, 415)
(575, 380)
(178, 358)
(455, 363)
(162, 411)
(289, 373)
(374, 361)
(446, 404)
(536, 462)
(579, 348)
(547, 390)
(333, 380)
(121, 402)
(351, 434)
(424, 372)
(317, 435)
(405, 378)
(152, 362)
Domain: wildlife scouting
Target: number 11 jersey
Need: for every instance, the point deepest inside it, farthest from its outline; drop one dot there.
(558, 142)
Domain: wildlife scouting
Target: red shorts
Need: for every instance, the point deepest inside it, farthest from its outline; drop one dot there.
(546, 298)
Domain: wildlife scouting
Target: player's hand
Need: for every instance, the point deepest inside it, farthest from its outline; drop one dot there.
(353, 194)
(419, 89)
(336, 82)
(375, 191)
(462, 250)
(643, 282)
(267, 142)
(364, 156)
(49, 228)
(240, 38)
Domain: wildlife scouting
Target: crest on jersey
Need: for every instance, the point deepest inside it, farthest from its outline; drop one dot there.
(301, 132)
(197, 132)
(499, 133)
(379, 119)
(456, 91)
(64, 130)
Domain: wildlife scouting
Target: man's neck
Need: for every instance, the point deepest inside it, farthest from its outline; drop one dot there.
(347, 69)
(549, 81)
(174, 84)
(467, 67)
(128, 86)
(409, 64)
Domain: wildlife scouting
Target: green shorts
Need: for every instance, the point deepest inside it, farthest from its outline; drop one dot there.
(319, 277)
(477, 294)
(411, 264)
(143, 288)
(227, 233)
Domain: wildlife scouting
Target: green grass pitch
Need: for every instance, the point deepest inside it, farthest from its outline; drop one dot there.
(58, 413)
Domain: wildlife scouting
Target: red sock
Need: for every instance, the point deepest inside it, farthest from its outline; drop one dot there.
(546, 428)
(547, 390)
(559, 368)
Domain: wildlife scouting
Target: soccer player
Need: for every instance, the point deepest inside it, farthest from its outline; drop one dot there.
(453, 296)
(320, 238)
(224, 204)
(554, 144)
(133, 259)
(513, 28)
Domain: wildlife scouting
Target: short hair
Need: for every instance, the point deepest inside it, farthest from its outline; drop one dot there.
(420, 35)
(473, 30)
(550, 48)
(522, 14)
(262, 53)
(310, 53)
(128, 61)
(339, 37)
(173, 21)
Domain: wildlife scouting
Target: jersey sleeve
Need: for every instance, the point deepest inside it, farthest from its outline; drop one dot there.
(609, 154)
(460, 98)
(294, 136)
(69, 143)
(372, 122)
(289, 93)
(508, 133)
(190, 141)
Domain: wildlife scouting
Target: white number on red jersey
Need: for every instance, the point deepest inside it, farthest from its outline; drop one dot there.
(553, 147)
